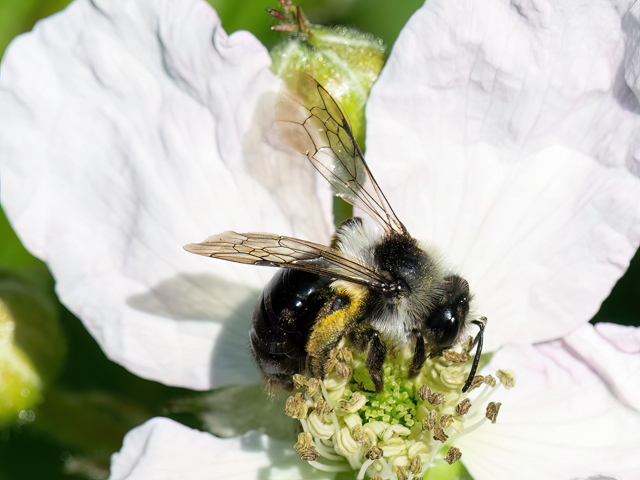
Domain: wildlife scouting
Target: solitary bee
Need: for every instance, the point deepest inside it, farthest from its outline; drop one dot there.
(380, 288)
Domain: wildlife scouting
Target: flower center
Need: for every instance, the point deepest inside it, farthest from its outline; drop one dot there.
(398, 433)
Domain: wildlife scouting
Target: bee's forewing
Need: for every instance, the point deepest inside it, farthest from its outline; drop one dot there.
(311, 122)
(267, 249)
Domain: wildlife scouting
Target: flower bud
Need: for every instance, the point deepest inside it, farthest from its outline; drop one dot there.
(343, 60)
(31, 345)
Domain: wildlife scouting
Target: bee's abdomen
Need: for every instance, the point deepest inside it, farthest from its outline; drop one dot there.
(282, 320)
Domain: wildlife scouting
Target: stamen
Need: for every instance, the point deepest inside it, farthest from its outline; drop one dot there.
(453, 455)
(492, 411)
(489, 380)
(296, 407)
(330, 468)
(327, 399)
(473, 428)
(439, 434)
(401, 473)
(363, 469)
(329, 455)
(507, 378)
(305, 447)
(463, 407)
(398, 433)
(433, 454)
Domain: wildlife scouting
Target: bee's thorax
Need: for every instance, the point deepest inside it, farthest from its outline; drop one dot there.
(418, 272)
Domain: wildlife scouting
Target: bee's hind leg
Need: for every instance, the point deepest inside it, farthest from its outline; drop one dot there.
(419, 356)
(338, 319)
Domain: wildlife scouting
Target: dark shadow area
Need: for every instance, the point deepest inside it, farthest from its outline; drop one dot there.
(623, 94)
(621, 306)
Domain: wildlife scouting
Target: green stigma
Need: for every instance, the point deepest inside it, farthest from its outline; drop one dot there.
(399, 433)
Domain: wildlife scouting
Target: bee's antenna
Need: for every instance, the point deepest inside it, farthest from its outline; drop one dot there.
(476, 359)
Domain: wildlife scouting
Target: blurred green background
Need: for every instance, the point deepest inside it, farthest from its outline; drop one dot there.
(88, 403)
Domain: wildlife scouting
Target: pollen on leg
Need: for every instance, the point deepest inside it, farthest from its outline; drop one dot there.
(411, 425)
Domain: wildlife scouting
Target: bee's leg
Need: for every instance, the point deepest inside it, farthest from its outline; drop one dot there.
(327, 333)
(419, 356)
(375, 358)
(319, 359)
(364, 339)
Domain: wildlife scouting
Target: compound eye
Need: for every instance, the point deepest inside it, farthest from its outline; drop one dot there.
(445, 325)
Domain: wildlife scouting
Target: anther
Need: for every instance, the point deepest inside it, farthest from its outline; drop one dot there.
(401, 473)
(455, 357)
(424, 392)
(343, 370)
(305, 447)
(430, 420)
(322, 407)
(374, 453)
(357, 432)
(453, 455)
(507, 378)
(463, 407)
(436, 398)
(332, 364)
(312, 384)
(296, 407)
(356, 402)
(345, 355)
(492, 411)
(475, 383)
(299, 380)
(489, 380)
(445, 421)
(439, 434)
(416, 465)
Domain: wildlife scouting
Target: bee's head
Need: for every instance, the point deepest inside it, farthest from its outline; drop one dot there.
(448, 319)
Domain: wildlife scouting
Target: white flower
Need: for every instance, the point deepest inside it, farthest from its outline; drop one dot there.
(504, 132)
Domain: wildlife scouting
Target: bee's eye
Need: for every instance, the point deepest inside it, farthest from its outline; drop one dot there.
(445, 322)
(445, 325)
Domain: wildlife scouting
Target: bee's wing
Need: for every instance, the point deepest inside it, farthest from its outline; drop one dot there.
(277, 251)
(311, 122)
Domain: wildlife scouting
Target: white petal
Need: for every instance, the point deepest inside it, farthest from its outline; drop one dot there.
(129, 129)
(560, 421)
(631, 27)
(613, 352)
(162, 449)
(504, 132)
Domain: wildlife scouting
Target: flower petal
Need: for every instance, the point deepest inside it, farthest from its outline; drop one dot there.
(613, 352)
(561, 420)
(128, 130)
(631, 28)
(504, 132)
(162, 449)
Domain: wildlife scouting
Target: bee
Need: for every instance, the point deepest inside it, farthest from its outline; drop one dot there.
(378, 287)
